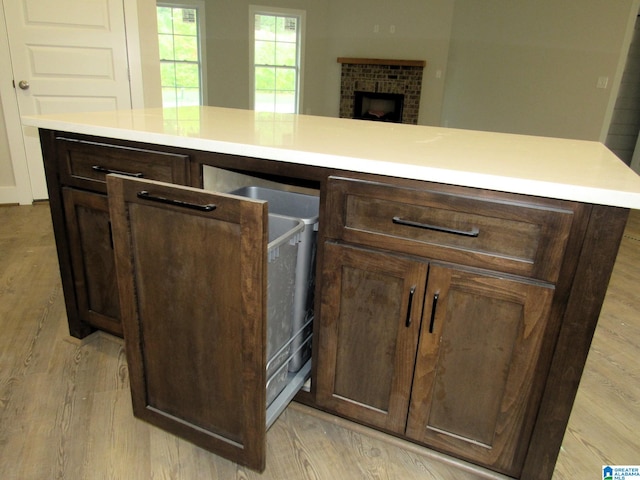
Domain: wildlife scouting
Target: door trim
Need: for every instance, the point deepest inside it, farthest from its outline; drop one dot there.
(20, 191)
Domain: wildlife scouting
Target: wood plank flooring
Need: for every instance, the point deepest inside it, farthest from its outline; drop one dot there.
(65, 411)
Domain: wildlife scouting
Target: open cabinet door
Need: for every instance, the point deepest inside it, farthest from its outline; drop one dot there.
(191, 277)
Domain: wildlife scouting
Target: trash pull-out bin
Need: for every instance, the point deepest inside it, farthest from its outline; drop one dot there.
(306, 208)
(282, 257)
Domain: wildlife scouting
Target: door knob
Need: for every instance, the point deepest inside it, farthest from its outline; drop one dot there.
(23, 84)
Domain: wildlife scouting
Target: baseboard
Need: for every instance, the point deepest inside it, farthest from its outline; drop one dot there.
(13, 195)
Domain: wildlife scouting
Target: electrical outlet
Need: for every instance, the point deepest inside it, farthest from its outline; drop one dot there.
(392, 29)
(602, 82)
(376, 28)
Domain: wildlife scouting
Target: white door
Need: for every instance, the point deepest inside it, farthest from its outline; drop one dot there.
(66, 56)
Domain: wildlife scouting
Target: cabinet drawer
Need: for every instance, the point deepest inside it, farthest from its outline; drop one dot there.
(502, 232)
(85, 164)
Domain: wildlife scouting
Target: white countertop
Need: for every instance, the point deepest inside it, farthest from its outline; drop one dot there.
(549, 167)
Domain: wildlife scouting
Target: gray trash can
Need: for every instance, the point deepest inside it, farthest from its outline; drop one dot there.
(282, 256)
(306, 208)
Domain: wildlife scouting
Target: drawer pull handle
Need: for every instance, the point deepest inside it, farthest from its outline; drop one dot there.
(433, 311)
(98, 168)
(178, 203)
(411, 293)
(474, 232)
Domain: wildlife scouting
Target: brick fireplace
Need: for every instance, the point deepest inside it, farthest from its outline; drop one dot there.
(379, 89)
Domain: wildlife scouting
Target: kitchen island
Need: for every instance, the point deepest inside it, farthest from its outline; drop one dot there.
(460, 274)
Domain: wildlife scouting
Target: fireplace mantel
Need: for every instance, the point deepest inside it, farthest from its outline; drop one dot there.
(382, 61)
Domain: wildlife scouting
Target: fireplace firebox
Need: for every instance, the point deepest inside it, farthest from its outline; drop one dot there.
(396, 85)
(382, 107)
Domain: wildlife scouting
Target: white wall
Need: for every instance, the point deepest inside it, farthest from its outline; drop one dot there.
(531, 67)
(6, 170)
(227, 49)
(502, 65)
(334, 29)
(406, 30)
(142, 45)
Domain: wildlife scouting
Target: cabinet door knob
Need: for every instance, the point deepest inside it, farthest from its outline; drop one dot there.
(433, 311)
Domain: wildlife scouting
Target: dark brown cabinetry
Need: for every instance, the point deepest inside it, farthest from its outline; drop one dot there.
(477, 366)
(191, 271)
(76, 171)
(470, 227)
(94, 273)
(465, 385)
(181, 274)
(448, 354)
(454, 317)
(371, 309)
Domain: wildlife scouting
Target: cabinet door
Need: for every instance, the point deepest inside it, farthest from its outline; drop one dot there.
(479, 367)
(92, 258)
(369, 327)
(191, 274)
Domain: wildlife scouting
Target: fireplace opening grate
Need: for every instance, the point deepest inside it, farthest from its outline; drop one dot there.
(382, 107)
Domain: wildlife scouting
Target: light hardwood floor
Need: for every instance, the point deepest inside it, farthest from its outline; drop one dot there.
(65, 411)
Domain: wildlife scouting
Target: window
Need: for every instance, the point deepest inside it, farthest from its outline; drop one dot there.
(276, 60)
(179, 35)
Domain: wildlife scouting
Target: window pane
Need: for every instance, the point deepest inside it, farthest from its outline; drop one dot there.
(286, 29)
(286, 54)
(285, 102)
(187, 75)
(265, 52)
(265, 78)
(165, 44)
(164, 20)
(168, 74)
(188, 97)
(265, 27)
(276, 63)
(184, 21)
(186, 48)
(264, 101)
(285, 79)
(168, 97)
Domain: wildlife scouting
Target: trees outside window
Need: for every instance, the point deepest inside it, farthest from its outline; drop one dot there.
(179, 35)
(276, 59)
